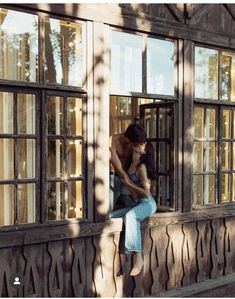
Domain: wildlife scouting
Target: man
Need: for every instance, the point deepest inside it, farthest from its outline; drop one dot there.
(120, 157)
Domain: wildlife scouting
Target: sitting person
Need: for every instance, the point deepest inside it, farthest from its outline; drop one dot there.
(138, 180)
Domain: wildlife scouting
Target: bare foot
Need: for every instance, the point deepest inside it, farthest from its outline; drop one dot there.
(137, 264)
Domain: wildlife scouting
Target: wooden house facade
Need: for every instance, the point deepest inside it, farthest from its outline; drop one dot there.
(71, 75)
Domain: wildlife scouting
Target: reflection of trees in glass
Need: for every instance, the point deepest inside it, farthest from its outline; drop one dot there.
(226, 63)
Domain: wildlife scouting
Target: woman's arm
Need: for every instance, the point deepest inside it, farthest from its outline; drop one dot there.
(140, 191)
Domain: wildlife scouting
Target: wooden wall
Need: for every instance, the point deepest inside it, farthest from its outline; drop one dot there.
(175, 255)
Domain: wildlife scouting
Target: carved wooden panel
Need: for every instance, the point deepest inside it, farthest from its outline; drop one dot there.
(174, 256)
(189, 253)
(229, 245)
(204, 250)
(158, 259)
(117, 268)
(90, 258)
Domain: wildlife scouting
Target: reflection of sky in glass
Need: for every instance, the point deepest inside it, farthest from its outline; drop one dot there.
(126, 61)
(206, 73)
(160, 66)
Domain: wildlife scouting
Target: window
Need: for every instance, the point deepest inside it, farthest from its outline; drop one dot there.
(142, 64)
(214, 153)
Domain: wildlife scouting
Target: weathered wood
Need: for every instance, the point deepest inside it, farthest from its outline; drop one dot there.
(229, 245)
(117, 267)
(204, 250)
(89, 261)
(159, 259)
(174, 256)
(189, 253)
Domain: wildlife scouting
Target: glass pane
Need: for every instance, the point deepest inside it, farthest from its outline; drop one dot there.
(150, 119)
(19, 46)
(124, 106)
(160, 66)
(210, 123)
(7, 204)
(26, 113)
(209, 191)
(164, 122)
(164, 191)
(55, 158)
(233, 144)
(210, 156)
(54, 113)
(198, 190)
(206, 73)
(199, 122)
(26, 158)
(75, 203)
(225, 186)
(227, 76)
(225, 155)
(63, 50)
(74, 158)
(55, 193)
(26, 203)
(233, 187)
(234, 124)
(126, 61)
(6, 113)
(198, 156)
(74, 116)
(164, 156)
(7, 159)
(226, 124)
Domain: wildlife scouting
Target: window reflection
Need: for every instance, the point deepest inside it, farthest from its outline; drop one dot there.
(225, 187)
(63, 50)
(198, 190)
(210, 123)
(226, 124)
(160, 66)
(74, 158)
(55, 194)
(198, 122)
(26, 113)
(26, 203)
(209, 190)
(26, 158)
(206, 73)
(7, 159)
(74, 116)
(7, 204)
(198, 156)
(54, 113)
(225, 155)
(6, 113)
(55, 158)
(75, 204)
(18, 46)
(126, 61)
(227, 76)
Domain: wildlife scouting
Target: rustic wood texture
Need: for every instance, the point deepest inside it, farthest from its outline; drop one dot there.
(229, 245)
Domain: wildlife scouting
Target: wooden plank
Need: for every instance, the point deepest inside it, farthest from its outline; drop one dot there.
(190, 253)
(174, 256)
(89, 262)
(69, 258)
(229, 249)
(204, 250)
(117, 268)
(217, 247)
(159, 259)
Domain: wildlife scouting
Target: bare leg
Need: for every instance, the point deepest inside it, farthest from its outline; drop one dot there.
(137, 264)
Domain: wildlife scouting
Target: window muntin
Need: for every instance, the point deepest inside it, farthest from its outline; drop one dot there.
(206, 73)
(18, 175)
(126, 61)
(65, 156)
(64, 52)
(18, 46)
(160, 66)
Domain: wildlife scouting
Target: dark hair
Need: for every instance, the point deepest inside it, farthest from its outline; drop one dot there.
(149, 160)
(135, 133)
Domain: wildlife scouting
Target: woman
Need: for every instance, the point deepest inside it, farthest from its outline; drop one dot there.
(138, 181)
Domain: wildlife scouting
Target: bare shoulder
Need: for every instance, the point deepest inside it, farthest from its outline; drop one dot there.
(142, 169)
(115, 138)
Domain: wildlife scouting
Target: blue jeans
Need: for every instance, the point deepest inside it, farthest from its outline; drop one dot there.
(141, 208)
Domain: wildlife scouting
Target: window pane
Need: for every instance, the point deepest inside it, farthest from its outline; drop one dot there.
(198, 190)
(75, 204)
(198, 156)
(7, 159)
(234, 124)
(210, 156)
(164, 156)
(18, 46)
(126, 61)
(74, 116)
(227, 76)
(55, 193)
(63, 50)
(26, 113)
(225, 155)
(160, 66)
(54, 115)
(226, 124)
(225, 186)
(150, 123)
(209, 191)
(199, 122)
(233, 156)
(26, 203)
(26, 158)
(210, 123)
(55, 158)
(206, 73)
(164, 122)
(6, 113)
(233, 188)
(164, 191)
(7, 204)
(74, 158)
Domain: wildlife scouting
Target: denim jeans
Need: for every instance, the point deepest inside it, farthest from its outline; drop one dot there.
(141, 208)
